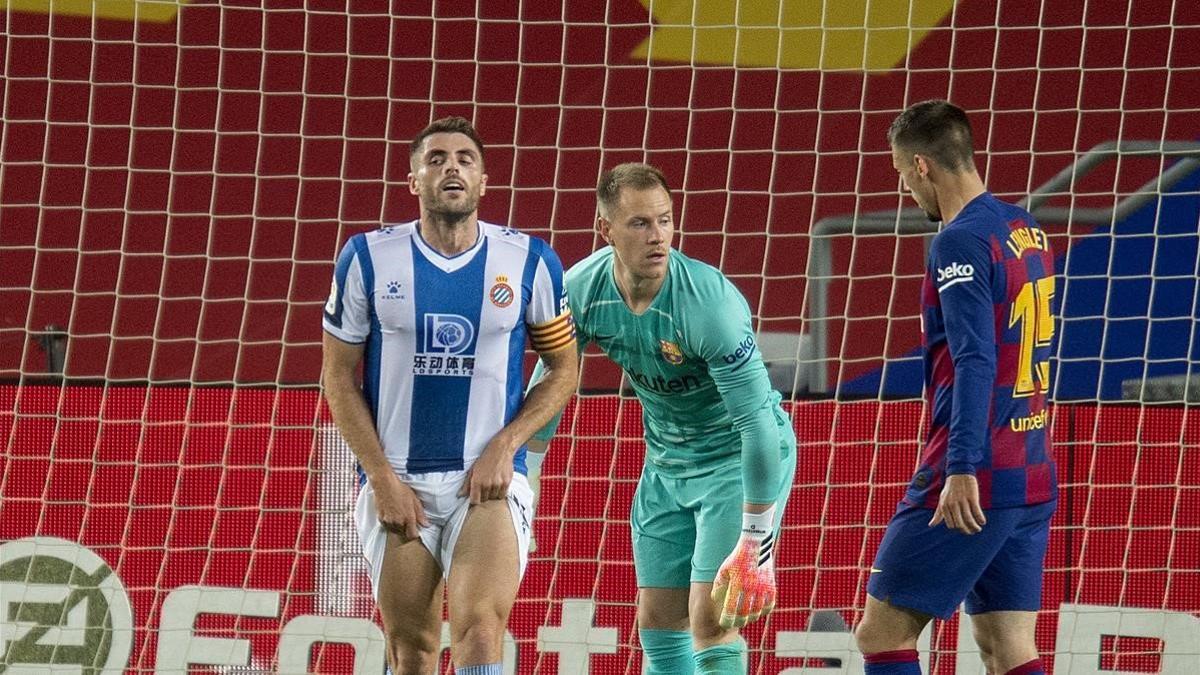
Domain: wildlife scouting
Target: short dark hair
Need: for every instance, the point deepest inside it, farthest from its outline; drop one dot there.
(634, 175)
(446, 125)
(937, 129)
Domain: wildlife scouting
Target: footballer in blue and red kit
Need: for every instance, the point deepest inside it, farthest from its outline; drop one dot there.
(987, 327)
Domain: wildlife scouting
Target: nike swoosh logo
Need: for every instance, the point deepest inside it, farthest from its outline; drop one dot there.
(875, 570)
(605, 337)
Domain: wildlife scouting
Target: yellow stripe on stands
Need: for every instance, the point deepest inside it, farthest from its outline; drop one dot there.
(790, 34)
(158, 11)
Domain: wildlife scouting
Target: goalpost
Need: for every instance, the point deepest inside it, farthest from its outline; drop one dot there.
(177, 177)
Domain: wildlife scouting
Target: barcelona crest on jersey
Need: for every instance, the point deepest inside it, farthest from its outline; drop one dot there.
(671, 352)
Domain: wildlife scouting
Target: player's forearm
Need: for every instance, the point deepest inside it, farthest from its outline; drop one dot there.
(746, 391)
(543, 402)
(760, 459)
(974, 378)
(354, 422)
(539, 441)
(970, 327)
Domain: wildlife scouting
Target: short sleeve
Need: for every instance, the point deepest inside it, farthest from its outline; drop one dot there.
(346, 314)
(548, 314)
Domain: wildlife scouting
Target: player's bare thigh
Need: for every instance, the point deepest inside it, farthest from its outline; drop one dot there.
(410, 603)
(483, 583)
(684, 609)
(1006, 639)
(886, 627)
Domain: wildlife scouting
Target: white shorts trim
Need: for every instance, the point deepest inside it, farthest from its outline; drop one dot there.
(446, 512)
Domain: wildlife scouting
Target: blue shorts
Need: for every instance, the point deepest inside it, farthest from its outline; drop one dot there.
(932, 570)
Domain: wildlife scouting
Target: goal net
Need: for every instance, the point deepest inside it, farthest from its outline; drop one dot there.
(177, 178)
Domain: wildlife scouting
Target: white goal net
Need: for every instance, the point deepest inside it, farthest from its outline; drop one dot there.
(177, 178)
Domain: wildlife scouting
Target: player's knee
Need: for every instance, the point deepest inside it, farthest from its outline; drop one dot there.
(1002, 650)
(660, 618)
(413, 651)
(987, 650)
(407, 658)
(484, 635)
(707, 632)
(411, 638)
(872, 637)
(863, 637)
(989, 660)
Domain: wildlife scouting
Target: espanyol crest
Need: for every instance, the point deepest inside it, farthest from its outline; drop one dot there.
(501, 294)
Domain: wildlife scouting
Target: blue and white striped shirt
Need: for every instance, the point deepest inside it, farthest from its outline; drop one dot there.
(445, 337)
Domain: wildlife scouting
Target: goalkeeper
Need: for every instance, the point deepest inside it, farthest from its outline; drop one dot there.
(720, 452)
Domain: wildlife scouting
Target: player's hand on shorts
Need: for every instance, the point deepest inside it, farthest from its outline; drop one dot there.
(490, 475)
(398, 507)
(744, 589)
(958, 505)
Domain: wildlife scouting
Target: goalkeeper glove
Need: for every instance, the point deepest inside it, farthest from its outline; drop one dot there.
(745, 585)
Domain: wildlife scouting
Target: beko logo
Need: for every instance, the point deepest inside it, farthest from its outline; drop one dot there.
(954, 273)
(954, 270)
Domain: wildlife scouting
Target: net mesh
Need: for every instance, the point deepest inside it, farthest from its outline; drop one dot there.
(178, 177)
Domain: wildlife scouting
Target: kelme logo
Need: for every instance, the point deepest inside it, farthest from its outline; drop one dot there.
(393, 291)
(63, 609)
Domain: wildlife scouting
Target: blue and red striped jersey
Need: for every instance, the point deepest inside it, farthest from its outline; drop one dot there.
(987, 326)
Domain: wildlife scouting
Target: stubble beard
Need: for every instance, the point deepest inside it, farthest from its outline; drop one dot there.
(451, 213)
(933, 214)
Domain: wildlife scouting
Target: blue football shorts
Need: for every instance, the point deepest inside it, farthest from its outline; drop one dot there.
(932, 570)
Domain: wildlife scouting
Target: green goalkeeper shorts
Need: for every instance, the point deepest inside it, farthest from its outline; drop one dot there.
(684, 528)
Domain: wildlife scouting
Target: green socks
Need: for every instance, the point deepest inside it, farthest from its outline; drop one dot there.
(666, 652)
(726, 659)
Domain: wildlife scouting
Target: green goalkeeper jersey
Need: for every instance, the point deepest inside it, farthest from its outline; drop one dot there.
(692, 360)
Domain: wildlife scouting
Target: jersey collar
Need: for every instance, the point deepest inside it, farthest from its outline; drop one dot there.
(447, 263)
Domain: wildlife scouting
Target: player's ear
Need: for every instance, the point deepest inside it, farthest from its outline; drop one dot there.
(922, 164)
(482, 184)
(412, 184)
(604, 228)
